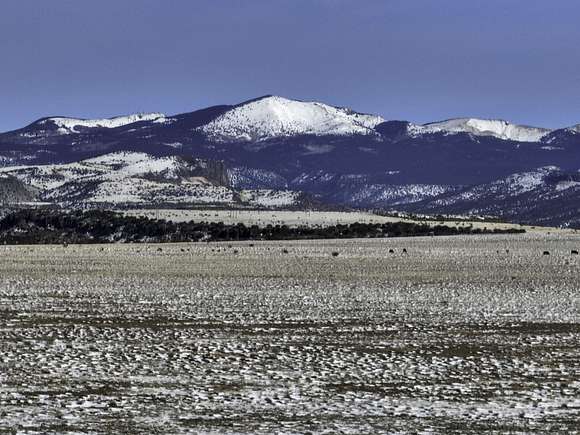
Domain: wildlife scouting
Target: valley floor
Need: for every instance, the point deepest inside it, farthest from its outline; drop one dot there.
(457, 335)
(263, 217)
(314, 218)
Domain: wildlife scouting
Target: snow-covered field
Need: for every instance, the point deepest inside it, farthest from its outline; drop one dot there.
(313, 218)
(457, 335)
(262, 217)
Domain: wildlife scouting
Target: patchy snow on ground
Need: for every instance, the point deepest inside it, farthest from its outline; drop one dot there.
(133, 177)
(138, 190)
(475, 334)
(121, 177)
(512, 186)
(270, 198)
(396, 194)
(254, 178)
(526, 181)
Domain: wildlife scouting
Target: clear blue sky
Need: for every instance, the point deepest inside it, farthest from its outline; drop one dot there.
(421, 60)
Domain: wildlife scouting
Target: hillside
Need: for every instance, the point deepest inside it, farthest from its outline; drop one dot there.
(130, 178)
(547, 196)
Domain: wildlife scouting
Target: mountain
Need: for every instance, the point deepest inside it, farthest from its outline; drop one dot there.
(483, 127)
(334, 154)
(130, 178)
(275, 117)
(546, 196)
(75, 125)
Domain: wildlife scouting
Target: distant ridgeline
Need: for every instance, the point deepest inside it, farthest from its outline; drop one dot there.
(97, 226)
(272, 151)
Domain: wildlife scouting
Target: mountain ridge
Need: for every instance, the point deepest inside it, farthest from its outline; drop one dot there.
(152, 116)
(334, 154)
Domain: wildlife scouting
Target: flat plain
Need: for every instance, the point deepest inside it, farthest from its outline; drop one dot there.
(456, 334)
(317, 218)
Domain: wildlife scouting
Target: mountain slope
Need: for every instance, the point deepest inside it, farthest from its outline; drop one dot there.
(546, 196)
(137, 178)
(75, 125)
(14, 191)
(483, 127)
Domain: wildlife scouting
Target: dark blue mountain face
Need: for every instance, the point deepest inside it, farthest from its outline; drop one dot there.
(547, 196)
(433, 158)
(40, 142)
(357, 169)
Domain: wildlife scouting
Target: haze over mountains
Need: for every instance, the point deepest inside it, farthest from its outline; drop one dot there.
(336, 155)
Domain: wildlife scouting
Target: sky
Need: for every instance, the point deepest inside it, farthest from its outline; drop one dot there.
(417, 60)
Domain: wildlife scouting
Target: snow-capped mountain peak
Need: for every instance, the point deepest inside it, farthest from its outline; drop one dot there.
(71, 125)
(482, 127)
(574, 128)
(272, 116)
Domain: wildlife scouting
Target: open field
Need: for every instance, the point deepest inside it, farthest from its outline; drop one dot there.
(263, 217)
(457, 335)
(312, 218)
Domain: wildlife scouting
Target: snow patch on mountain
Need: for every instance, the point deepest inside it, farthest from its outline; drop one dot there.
(381, 194)
(176, 145)
(270, 198)
(111, 167)
(509, 187)
(138, 190)
(272, 117)
(140, 178)
(364, 190)
(481, 127)
(568, 184)
(72, 125)
(545, 196)
(253, 178)
(317, 149)
(518, 184)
